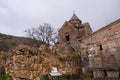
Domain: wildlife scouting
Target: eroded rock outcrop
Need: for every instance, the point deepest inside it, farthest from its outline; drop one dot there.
(29, 63)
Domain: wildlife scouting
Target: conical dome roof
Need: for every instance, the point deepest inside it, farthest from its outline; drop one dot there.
(74, 17)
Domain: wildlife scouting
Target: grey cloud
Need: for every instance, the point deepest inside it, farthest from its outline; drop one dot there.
(18, 15)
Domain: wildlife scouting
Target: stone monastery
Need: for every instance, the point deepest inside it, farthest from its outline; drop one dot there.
(78, 52)
(99, 50)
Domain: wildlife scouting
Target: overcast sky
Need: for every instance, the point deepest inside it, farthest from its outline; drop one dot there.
(18, 15)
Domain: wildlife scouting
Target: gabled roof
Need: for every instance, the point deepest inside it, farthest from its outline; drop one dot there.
(104, 28)
(107, 26)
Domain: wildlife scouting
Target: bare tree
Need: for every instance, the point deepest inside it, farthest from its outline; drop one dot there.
(31, 32)
(45, 33)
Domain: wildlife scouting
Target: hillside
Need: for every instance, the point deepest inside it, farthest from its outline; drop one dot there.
(8, 42)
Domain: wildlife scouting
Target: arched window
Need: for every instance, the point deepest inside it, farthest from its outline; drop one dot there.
(67, 37)
(100, 46)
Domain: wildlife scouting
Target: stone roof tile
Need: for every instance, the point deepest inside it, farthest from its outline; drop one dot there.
(74, 17)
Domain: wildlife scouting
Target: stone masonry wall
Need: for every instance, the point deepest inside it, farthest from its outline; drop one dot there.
(105, 42)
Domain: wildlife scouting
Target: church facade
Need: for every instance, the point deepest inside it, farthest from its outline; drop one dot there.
(71, 34)
(98, 50)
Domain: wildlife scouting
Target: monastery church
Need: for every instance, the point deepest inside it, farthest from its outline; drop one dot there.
(98, 50)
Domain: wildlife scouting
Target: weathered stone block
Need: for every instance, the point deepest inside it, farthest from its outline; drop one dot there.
(40, 67)
(35, 74)
(98, 74)
(20, 58)
(35, 67)
(17, 66)
(22, 74)
(113, 74)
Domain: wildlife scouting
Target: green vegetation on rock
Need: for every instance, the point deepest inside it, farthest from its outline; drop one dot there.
(6, 77)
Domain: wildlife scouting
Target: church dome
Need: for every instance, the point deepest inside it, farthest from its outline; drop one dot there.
(75, 20)
(74, 17)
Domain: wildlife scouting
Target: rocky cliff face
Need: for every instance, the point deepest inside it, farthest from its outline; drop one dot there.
(24, 62)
